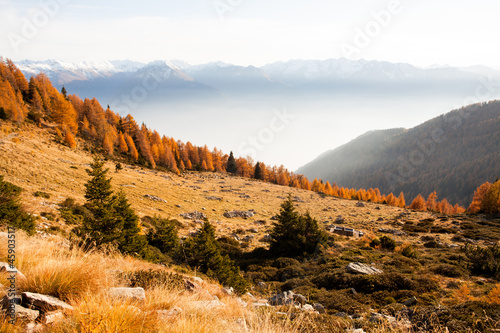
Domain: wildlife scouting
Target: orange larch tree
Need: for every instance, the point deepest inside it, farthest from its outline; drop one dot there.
(418, 203)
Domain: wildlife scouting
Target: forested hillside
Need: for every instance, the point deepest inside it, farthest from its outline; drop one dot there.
(451, 154)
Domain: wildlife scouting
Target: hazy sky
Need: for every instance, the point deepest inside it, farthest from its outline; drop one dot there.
(423, 32)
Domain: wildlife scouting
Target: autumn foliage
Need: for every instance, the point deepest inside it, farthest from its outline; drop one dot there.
(486, 199)
(120, 137)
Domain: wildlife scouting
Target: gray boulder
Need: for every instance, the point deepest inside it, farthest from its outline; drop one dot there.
(287, 298)
(135, 294)
(319, 307)
(154, 198)
(239, 213)
(44, 303)
(410, 302)
(359, 268)
(194, 216)
(298, 298)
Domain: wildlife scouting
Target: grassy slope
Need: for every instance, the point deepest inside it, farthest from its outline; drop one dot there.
(32, 159)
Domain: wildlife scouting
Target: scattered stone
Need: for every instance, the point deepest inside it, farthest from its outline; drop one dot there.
(297, 199)
(254, 230)
(43, 303)
(287, 298)
(340, 219)
(136, 294)
(353, 291)
(319, 307)
(244, 196)
(355, 330)
(178, 206)
(7, 268)
(341, 314)
(239, 213)
(154, 198)
(25, 315)
(194, 216)
(410, 302)
(360, 205)
(359, 268)
(308, 308)
(214, 198)
(377, 208)
(299, 298)
(51, 317)
(260, 222)
(228, 291)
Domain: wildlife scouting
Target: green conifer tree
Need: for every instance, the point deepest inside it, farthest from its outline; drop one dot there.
(101, 226)
(232, 166)
(163, 235)
(130, 241)
(205, 254)
(11, 211)
(258, 172)
(292, 234)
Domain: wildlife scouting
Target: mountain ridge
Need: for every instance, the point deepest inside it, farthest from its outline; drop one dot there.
(452, 152)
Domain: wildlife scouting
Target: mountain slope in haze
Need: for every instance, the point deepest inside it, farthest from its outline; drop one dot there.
(156, 82)
(229, 77)
(351, 155)
(309, 77)
(60, 72)
(452, 153)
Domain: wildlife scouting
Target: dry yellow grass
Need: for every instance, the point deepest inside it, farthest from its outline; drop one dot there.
(83, 279)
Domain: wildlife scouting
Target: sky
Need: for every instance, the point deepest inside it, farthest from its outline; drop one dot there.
(252, 32)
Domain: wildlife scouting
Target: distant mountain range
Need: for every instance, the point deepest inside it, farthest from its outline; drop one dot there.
(452, 154)
(173, 81)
